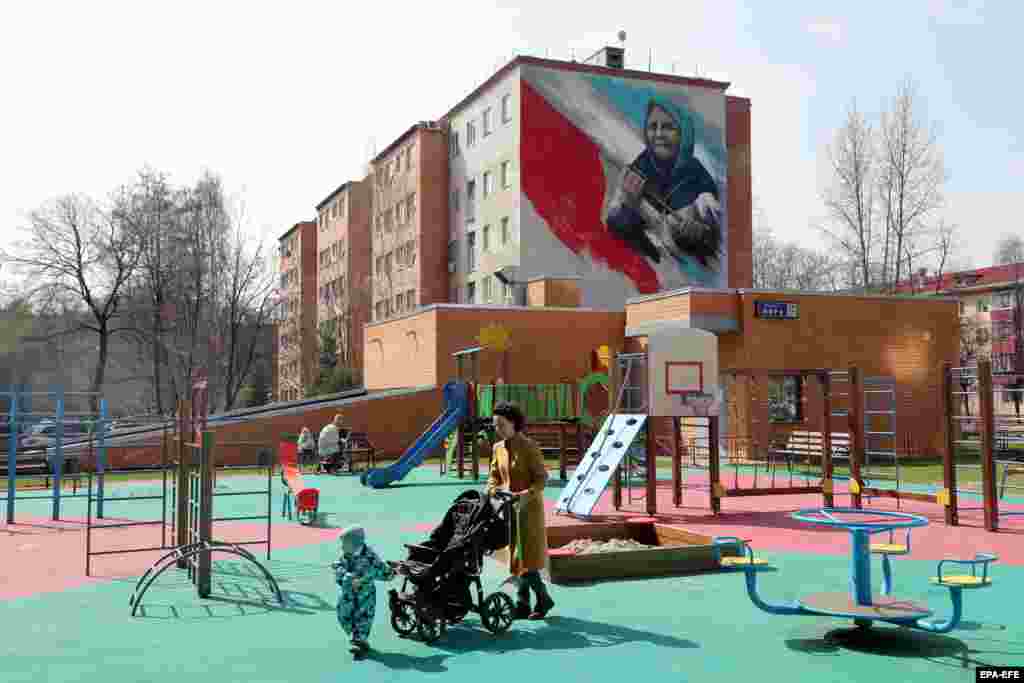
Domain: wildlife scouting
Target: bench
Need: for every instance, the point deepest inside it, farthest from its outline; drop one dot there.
(808, 447)
(360, 448)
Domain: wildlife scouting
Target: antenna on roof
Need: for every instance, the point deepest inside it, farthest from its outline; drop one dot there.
(622, 39)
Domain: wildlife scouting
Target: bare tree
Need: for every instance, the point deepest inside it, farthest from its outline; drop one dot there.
(849, 199)
(246, 306)
(946, 242)
(910, 178)
(1009, 250)
(79, 255)
(779, 265)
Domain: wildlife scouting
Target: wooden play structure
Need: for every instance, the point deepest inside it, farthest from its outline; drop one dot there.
(735, 434)
(555, 413)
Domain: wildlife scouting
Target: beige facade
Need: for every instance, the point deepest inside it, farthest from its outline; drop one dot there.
(297, 311)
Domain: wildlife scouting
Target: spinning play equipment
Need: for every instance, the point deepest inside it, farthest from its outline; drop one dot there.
(456, 398)
(859, 604)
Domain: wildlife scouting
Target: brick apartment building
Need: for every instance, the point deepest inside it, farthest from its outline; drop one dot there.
(989, 299)
(504, 145)
(503, 182)
(410, 206)
(343, 267)
(297, 323)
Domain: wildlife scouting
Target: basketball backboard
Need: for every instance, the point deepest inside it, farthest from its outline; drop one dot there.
(683, 379)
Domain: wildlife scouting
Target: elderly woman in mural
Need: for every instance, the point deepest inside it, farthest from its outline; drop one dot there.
(667, 202)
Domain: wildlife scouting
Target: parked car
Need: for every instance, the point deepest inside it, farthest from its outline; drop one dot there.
(45, 435)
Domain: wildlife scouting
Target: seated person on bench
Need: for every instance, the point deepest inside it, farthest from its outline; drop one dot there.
(333, 445)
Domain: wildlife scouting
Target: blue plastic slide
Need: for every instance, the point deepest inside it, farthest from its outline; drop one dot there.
(456, 396)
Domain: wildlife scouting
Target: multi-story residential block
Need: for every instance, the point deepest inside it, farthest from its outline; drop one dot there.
(297, 338)
(628, 182)
(991, 308)
(410, 214)
(344, 302)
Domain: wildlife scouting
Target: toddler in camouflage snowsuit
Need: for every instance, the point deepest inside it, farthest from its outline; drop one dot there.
(356, 570)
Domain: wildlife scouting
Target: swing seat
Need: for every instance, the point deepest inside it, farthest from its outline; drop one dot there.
(962, 581)
(971, 580)
(742, 561)
(889, 549)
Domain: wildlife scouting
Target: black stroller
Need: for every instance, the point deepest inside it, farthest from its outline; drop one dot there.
(442, 570)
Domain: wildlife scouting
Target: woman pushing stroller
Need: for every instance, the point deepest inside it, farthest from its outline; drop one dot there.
(517, 466)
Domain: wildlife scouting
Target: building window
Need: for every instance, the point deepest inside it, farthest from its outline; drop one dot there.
(1004, 300)
(505, 236)
(471, 293)
(487, 239)
(507, 294)
(410, 207)
(453, 143)
(471, 251)
(506, 108)
(982, 305)
(455, 200)
(470, 134)
(963, 308)
(505, 179)
(487, 122)
(487, 289)
(408, 157)
(470, 201)
(410, 298)
(400, 213)
(488, 184)
(452, 255)
(398, 163)
(785, 399)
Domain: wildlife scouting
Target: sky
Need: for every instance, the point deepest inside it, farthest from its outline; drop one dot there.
(286, 101)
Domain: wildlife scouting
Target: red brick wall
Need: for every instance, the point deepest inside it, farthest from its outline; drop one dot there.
(360, 256)
(741, 205)
(309, 339)
(392, 424)
(432, 215)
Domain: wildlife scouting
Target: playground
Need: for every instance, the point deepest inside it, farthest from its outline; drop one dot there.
(74, 627)
(223, 573)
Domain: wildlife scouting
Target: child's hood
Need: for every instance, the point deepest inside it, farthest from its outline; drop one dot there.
(352, 538)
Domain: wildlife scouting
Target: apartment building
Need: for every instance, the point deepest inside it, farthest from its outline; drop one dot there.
(344, 250)
(410, 212)
(990, 298)
(297, 313)
(537, 158)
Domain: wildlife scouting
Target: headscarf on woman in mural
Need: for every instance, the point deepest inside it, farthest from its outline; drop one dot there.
(666, 202)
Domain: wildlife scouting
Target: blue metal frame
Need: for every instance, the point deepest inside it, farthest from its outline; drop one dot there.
(54, 454)
(860, 568)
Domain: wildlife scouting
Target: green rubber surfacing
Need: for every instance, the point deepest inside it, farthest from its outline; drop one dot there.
(692, 628)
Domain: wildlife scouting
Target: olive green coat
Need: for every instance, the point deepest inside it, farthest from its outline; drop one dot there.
(518, 465)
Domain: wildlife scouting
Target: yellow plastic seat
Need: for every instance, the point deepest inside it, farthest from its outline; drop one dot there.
(740, 561)
(889, 549)
(963, 581)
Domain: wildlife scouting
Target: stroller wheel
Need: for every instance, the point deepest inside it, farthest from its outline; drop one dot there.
(403, 618)
(430, 627)
(497, 612)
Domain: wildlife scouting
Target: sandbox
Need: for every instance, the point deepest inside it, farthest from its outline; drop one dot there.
(672, 551)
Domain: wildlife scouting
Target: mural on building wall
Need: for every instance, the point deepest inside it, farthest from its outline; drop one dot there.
(629, 175)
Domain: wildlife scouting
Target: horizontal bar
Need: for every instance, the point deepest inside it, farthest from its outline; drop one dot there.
(127, 524)
(238, 519)
(733, 493)
(92, 553)
(249, 543)
(105, 498)
(889, 493)
(264, 492)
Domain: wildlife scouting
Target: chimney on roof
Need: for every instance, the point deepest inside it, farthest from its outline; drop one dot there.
(609, 57)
